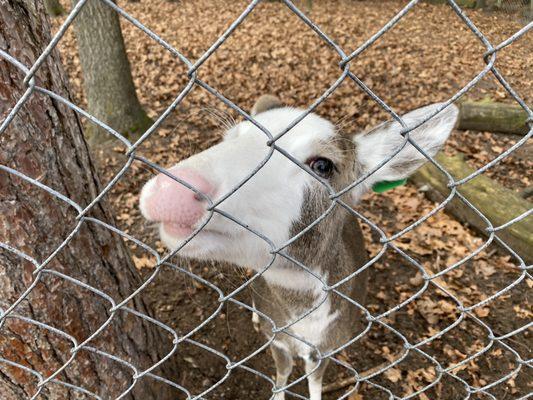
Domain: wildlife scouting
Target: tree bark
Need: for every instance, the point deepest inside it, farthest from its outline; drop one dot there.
(498, 204)
(487, 4)
(492, 117)
(107, 74)
(45, 142)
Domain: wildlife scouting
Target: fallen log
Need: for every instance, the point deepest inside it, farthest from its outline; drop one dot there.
(497, 203)
(492, 117)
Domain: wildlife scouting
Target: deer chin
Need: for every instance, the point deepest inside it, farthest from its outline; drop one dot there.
(202, 245)
(177, 230)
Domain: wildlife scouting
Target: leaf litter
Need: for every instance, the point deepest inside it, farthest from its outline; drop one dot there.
(426, 58)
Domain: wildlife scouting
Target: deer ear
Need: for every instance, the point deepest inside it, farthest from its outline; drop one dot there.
(383, 141)
(266, 102)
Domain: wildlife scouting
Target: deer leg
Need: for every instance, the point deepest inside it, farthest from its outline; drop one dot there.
(283, 360)
(255, 322)
(314, 380)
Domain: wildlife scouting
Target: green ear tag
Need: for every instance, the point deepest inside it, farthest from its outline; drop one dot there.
(383, 186)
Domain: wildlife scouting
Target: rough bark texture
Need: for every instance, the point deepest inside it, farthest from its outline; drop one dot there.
(45, 142)
(106, 73)
(492, 117)
(497, 203)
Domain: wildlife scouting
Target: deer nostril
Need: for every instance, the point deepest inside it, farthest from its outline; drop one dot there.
(175, 204)
(199, 197)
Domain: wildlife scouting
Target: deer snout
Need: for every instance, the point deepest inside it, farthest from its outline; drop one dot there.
(177, 207)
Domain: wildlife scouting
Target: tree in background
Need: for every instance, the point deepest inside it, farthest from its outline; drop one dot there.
(45, 142)
(106, 72)
(523, 6)
(54, 7)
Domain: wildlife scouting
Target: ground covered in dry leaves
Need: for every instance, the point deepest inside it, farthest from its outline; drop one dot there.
(429, 56)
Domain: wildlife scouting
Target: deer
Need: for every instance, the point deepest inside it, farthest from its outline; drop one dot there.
(279, 201)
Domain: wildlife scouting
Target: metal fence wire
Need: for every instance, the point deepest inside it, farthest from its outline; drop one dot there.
(442, 371)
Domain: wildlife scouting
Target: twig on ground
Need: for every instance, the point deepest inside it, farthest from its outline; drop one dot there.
(352, 380)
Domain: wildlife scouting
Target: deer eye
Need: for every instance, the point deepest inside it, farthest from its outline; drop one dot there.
(323, 167)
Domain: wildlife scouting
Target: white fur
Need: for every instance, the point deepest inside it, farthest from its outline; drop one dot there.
(271, 201)
(380, 144)
(294, 279)
(314, 382)
(314, 327)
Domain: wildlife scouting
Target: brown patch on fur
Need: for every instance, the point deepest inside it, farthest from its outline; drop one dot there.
(266, 102)
(334, 248)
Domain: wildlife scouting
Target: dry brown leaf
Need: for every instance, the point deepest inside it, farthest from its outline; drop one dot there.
(142, 262)
(482, 312)
(393, 374)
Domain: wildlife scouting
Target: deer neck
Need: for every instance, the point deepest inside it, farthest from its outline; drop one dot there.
(330, 250)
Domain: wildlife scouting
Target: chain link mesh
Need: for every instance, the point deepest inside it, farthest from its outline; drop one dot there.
(386, 241)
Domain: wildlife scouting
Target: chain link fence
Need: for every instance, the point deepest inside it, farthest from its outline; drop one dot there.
(344, 59)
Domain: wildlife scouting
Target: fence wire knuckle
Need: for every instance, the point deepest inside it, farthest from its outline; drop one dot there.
(387, 242)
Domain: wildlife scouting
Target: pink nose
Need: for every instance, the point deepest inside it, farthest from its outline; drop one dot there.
(175, 205)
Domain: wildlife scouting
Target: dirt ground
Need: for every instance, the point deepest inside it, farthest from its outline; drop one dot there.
(428, 57)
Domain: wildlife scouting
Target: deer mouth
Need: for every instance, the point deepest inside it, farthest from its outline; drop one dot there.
(181, 231)
(200, 245)
(176, 229)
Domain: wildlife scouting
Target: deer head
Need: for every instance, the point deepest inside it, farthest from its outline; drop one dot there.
(280, 192)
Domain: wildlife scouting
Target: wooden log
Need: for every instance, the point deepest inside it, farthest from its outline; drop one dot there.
(497, 203)
(492, 117)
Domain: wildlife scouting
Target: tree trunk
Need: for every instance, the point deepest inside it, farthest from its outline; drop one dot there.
(54, 8)
(106, 73)
(492, 117)
(45, 142)
(498, 204)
